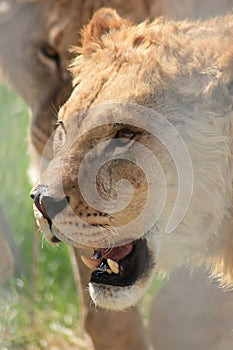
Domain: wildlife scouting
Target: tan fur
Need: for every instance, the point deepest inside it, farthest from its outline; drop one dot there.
(190, 63)
(191, 312)
(183, 71)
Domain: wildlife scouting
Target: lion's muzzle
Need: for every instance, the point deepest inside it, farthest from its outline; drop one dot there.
(48, 206)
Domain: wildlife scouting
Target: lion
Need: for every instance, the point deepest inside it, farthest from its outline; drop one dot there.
(35, 37)
(39, 33)
(167, 86)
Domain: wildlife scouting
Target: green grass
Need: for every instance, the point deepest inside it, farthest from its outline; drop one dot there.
(25, 311)
(39, 307)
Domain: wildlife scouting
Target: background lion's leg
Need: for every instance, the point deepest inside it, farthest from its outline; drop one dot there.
(107, 329)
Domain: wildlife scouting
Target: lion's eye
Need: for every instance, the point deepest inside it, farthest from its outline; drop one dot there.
(60, 137)
(125, 136)
(49, 55)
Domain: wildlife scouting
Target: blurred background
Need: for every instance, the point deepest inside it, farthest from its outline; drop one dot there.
(39, 303)
(39, 307)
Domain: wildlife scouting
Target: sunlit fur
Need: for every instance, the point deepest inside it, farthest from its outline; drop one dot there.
(184, 71)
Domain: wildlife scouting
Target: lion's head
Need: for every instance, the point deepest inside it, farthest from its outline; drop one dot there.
(152, 105)
(35, 41)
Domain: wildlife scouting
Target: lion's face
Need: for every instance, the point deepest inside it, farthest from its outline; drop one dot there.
(40, 34)
(82, 201)
(144, 114)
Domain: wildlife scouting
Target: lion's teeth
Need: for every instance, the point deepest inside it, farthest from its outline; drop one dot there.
(114, 266)
(95, 264)
(105, 270)
(91, 263)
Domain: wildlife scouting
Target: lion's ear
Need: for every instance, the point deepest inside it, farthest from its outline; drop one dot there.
(103, 21)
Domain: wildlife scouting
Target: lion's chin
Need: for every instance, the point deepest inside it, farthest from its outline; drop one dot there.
(119, 298)
(121, 291)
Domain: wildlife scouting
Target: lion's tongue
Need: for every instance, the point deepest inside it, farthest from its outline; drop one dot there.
(117, 253)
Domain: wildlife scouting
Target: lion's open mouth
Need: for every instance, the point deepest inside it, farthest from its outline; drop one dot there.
(121, 266)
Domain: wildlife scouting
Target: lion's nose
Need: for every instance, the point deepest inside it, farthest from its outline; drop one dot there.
(48, 206)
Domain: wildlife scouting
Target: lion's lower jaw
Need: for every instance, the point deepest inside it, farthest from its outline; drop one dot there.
(118, 298)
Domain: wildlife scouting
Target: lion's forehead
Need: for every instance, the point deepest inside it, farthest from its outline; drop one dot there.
(155, 85)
